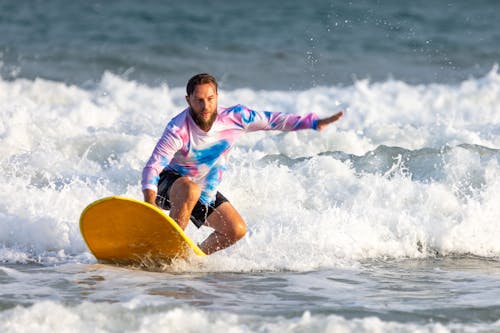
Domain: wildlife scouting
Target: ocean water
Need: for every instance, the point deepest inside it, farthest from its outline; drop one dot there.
(278, 45)
(387, 221)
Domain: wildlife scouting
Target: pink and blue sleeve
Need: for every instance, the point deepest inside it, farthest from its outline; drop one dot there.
(163, 153)
(255, 121)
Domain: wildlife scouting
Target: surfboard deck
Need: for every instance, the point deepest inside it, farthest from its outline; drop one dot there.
(127, 231)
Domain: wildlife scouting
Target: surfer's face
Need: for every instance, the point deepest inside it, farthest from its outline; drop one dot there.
(203, 105)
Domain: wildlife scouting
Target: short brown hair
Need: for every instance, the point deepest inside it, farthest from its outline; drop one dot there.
(198, 79)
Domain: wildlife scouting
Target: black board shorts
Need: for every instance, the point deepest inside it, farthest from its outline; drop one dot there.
(200, 211)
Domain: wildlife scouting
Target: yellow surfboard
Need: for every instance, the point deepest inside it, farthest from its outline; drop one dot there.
(127, 231)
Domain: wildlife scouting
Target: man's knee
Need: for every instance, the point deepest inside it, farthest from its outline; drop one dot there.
(187, 190)
(238, 230)
(241, 230)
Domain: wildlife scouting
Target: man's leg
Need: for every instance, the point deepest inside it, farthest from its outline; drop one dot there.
(183, 196)
(227, 223)
(229, 228)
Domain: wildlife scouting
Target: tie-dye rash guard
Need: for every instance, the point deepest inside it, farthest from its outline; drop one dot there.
(186, 149)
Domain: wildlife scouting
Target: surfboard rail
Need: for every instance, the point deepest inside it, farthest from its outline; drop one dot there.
(126, 230)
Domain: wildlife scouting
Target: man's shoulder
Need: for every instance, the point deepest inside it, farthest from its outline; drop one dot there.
(232, 109)
(179, 119)
(181, 115)
(177, 126)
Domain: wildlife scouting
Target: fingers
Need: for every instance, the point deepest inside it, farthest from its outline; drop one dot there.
(338, 115)
(334, 118)
(322, 123)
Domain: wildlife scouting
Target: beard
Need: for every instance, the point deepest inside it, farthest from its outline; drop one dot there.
(205, 125)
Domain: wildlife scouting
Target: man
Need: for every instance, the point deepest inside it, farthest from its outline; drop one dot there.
(186, 166)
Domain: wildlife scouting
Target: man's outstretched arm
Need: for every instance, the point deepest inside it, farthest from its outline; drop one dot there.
(322, 123)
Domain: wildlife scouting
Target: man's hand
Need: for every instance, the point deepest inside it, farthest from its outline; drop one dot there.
(150, 196)
(322, 123)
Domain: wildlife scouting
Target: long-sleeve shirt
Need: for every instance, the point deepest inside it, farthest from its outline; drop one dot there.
(202, 156)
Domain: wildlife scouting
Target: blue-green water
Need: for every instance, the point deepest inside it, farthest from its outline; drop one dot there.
(259, 44)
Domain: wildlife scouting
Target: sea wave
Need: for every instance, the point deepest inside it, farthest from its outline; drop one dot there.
(48, 316)
(410, 171)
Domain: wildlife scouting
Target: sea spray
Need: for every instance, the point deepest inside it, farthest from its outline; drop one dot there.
(410, 171)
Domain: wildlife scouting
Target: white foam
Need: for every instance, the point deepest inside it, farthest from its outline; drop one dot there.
(54, 317)
(64, 146)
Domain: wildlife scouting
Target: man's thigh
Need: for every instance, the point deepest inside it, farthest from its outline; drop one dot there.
(226, 220)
